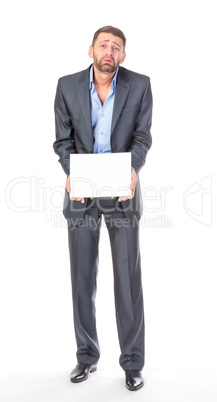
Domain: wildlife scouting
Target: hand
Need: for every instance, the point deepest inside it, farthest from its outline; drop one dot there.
(132, 186)
(68, 189)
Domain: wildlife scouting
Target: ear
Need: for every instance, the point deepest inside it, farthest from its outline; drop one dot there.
(90, 52)
(123, 58)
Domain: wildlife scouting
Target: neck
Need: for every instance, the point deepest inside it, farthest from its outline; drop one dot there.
(102, 79)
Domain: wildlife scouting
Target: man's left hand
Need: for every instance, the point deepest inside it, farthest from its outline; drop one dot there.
(132, 186)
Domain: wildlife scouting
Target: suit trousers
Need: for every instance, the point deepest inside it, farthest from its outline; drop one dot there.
(83, 247)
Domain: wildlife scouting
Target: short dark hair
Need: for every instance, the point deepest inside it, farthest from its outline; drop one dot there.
(109, 29)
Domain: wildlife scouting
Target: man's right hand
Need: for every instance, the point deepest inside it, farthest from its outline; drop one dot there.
(68, 189)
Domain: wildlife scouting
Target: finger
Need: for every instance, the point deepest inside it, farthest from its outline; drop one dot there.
(80, 199)
(75, 198)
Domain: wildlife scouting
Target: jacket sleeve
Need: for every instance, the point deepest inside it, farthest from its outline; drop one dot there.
(64, 144)
(141, 140)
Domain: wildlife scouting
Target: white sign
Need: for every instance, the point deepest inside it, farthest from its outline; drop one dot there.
(100, 175)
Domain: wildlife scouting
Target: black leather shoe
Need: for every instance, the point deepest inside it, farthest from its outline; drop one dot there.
(134, 380)
(81, 372)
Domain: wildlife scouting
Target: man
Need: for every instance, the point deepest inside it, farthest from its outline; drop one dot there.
(105, 108)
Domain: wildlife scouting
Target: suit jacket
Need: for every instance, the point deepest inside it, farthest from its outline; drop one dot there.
(130, 131)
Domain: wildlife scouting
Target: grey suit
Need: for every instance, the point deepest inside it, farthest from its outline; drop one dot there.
(130, 131)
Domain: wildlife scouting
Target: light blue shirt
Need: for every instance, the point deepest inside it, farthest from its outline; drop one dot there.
(101, 116)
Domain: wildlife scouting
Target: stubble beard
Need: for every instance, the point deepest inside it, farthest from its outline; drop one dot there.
(105, 67)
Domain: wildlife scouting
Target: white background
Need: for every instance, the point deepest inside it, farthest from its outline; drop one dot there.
(173, 42)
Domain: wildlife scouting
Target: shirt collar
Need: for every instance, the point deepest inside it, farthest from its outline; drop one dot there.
(113, 86)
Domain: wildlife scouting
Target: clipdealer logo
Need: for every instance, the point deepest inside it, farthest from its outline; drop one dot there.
(155, 207)
(31, 194)
(197, 201)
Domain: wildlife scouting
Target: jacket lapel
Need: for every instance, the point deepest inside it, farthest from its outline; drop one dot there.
(121, 93)
(82, 89)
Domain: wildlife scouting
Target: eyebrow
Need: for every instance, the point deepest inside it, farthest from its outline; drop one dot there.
(107, 40)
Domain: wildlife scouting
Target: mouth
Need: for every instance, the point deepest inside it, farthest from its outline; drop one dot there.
(108, 61)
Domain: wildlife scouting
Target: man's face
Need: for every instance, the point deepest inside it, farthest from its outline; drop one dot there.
(107, 53)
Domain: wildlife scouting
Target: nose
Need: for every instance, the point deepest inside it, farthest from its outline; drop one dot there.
(110, 50)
